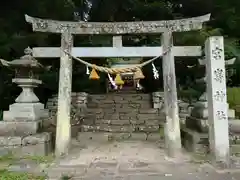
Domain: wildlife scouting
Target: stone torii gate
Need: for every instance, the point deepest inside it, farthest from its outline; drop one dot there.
(68, 29)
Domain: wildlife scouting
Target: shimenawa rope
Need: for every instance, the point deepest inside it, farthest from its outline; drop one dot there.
(118, 70)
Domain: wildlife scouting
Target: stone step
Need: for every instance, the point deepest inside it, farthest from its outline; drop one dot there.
(122, 122)
(121, 104)
(102, 137)
(121, 119)
(125, 114)
(27, 145)
(198, 142)
(122, 111)
(19, 128)
(119, 97)
(62, 171)
(120, 129)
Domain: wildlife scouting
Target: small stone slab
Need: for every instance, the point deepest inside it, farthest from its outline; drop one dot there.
(19, 128)
(10, 141)
(33, 145)
(198, 142)
(87, 137)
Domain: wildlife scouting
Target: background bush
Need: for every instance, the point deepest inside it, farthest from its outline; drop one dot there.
(233, 96)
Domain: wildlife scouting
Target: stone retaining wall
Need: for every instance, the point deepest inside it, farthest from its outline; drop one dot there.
(78, 106)
(81, 99)
(30, 145)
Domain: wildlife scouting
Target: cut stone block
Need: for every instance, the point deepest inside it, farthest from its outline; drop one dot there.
(19, 128)
(100, 137)
(37, 145)
(194, 141)
(32, 145)
(25, 112)
(10, 141)
(199, 143)
(201, 111)
(201, 125)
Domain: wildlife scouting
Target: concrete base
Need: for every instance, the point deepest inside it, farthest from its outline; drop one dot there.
(201, 125)
(32, 145)
(103, 137)
(198, 142)
(25, 112)
(200, 110)
(20, 128)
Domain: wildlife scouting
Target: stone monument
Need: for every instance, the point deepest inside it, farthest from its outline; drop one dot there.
(197, 125)
(20, 130)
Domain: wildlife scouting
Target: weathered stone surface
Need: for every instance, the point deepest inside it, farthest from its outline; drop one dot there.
(131, 160)
(111, 116)
(120, 98)
(157, 96)
(11, 128)
(148, 116)
(45, 25)
(10, 141)
(108, 128)
(117, 112)
(234, 126)
(25, 112)
(35, 145)
(198, 142)
(202, 112)
(202, 125)
(129, 116)
(154, 128)
(100, 137)
(37, 138)
(152, 122)
(148, 111)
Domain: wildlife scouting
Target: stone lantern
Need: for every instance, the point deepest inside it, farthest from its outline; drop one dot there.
(27, 106)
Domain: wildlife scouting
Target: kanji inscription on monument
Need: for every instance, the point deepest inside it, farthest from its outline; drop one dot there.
(217, 99)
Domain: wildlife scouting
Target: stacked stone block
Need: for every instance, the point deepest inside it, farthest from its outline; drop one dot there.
(21, 129)
(79, 102)
(196, 129)
(122, 115)
(78, 111)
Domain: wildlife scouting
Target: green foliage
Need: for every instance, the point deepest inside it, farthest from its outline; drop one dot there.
(233, 96)
(189, 95)
(7, 175)
(16, 34)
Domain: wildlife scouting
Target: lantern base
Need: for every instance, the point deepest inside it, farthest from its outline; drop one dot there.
(27, 95)
(25, 112)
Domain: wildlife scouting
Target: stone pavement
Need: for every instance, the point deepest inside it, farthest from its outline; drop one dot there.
(131, 161)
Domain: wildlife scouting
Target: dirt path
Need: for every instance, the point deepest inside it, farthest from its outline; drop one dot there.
(131, 161)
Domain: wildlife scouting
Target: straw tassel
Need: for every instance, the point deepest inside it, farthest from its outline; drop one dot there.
(118, 80)
(94, 75)
(112, 81)
(155, 71)
(139, 74)
(87, 70)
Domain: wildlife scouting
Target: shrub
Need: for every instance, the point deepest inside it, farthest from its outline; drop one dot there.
(1, 115)
(189, 95)
(233, 96)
